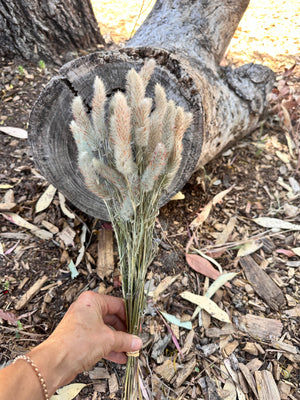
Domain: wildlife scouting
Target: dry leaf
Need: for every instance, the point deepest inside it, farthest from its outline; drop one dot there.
(288, 253)
(296, 250)
(295, 185)
(62, 202)
(175, 321)
(276, 223)
(219, 282)
(68, 392)
(210, 259)
(9, 197)
(219, 197)
(206, 304)
(45, 200)
(73, 269)
(15, 132)
(283, 157)
(178, 196)
(224, 236)
(9, 317)
(16, 219)
(5, 186)
(202, 217)
(286, 118)
(203, 266)
(7, 206)
(163, 285)
(249, 247)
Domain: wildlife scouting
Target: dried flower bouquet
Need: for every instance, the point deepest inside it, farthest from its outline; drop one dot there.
(128, 156)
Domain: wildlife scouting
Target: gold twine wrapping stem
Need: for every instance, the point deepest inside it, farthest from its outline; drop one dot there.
(133, 353)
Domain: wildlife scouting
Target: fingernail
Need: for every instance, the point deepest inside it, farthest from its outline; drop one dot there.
(136, 343)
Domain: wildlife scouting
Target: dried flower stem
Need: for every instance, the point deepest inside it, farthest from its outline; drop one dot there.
(128, 158)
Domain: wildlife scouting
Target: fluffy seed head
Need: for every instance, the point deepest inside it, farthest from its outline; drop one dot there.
(126, 211)
(173, 162)
(80, 115)
(156, 119)
(98, 104)
(135, 88)
(140, 146)
(91, 179)
(168, 126)
(155, 168)
(147, 70)
(110, 174)
(120, 135)
(82, 120)
(141, 122)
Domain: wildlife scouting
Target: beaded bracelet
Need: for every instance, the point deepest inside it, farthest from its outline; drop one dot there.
(38, 374)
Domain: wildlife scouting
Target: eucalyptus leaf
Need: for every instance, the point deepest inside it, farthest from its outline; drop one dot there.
(215, 286)
(68, 392)
(46, 198)
(276, 223)
(249, 247)
(206, 304)
(218, 283)
(175, 321)
(73, 269)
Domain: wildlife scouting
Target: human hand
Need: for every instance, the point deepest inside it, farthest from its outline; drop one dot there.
(83, 337)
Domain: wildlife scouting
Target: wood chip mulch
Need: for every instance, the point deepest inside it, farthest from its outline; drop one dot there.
(50, 252)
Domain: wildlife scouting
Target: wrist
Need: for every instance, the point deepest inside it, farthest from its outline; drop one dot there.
(53, 362)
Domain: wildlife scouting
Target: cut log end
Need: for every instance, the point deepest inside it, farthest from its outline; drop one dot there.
(53, 146)
(226, 105)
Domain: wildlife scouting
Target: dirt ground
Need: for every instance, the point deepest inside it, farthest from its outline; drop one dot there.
(260, 349)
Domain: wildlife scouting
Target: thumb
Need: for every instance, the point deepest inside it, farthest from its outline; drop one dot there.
(125, 342)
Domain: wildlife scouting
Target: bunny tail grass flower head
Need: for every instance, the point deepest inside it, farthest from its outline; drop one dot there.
(128, 155)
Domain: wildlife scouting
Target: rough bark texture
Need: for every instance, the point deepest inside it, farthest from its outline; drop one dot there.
(227, 104)
(43, 29)
(196, 28)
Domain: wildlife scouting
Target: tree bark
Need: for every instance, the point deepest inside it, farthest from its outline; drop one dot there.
(196, 28)
(35, 29)
(187, 38)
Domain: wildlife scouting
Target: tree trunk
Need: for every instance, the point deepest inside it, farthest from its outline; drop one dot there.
(187, 38)
(43, 29)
